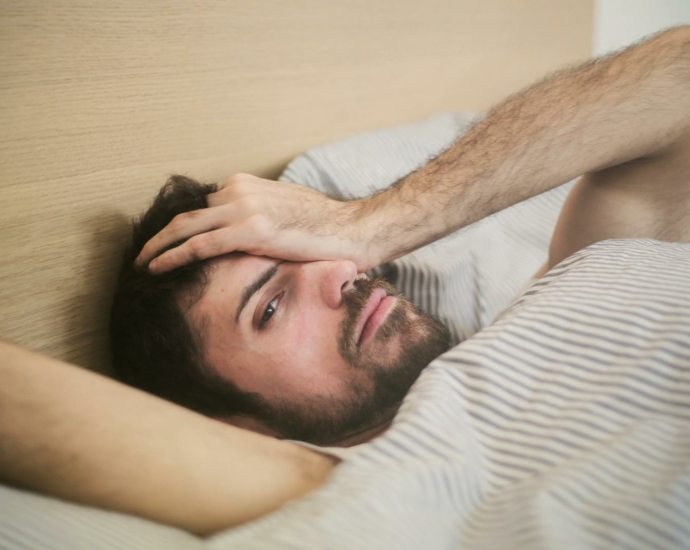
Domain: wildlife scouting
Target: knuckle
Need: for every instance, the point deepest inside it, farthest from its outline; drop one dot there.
(191, 215)
(196, 247)
(259, 225)
(211, 241)
(204, 245)
(233, 180)
(247, 204)
(238, 183)
(181, 221)
(177, 221)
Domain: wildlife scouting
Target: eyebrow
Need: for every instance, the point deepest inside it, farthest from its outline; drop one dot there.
(254, 287)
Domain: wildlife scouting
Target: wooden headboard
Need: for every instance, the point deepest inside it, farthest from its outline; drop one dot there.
(101, 101)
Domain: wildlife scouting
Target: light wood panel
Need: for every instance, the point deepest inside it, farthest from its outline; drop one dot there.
(100, 101)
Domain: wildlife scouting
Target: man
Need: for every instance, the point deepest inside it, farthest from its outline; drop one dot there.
(626, 130)
(313, 351)
(624, 121)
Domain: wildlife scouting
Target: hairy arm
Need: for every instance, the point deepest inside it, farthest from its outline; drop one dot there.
(82, 437)
(584, 119)
(601, 114)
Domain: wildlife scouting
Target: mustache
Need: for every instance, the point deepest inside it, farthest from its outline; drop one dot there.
(354, 302)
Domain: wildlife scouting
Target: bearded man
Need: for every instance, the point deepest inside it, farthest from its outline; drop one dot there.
(313, 351)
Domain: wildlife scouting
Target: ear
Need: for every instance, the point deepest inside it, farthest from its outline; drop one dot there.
(251, 424)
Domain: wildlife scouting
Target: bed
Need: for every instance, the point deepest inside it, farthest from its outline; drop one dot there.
(101, 103)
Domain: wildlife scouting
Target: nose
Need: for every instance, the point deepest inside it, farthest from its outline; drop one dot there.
(334, 278)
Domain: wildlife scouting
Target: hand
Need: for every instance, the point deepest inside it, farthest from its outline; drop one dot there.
(264, 218)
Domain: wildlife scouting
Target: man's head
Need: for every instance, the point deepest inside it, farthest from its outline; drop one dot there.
(302, 350)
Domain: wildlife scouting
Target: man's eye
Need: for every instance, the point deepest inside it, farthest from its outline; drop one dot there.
(269, 311)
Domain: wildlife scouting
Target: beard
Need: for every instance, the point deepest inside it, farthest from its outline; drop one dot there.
(420, 339)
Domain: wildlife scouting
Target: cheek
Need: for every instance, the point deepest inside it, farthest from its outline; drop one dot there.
(307, 357)
(312, 338)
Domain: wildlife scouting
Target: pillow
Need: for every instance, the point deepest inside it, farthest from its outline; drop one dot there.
(467, 278)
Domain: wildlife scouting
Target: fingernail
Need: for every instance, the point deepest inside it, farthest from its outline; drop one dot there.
(153, 265)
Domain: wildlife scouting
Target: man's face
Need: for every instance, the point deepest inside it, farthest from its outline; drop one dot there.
(329, 350)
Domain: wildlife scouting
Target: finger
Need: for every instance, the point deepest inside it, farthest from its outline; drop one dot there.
(200, 247)
(239, 183)
(216, 199)
(183, 226)
(226, 195)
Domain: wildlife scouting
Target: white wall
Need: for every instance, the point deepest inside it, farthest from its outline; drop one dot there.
(618, 23)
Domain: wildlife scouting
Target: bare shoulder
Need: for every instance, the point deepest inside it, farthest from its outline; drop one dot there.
(648, 197)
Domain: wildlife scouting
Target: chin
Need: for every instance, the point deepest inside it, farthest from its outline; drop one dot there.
(393, 347)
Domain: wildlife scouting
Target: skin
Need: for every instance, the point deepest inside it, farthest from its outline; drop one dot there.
(648, 198)
(290, 352)
(82, 437)
(606, 119)
(295, 357)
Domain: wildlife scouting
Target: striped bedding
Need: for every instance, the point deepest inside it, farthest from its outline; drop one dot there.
(564, 424)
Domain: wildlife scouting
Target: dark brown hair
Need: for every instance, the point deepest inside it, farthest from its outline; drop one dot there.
(154, 347)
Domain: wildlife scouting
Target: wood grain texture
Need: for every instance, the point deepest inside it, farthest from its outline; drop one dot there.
(101, 101)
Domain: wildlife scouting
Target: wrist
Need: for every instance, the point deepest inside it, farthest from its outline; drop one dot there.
(401, 219)
(379, 229)
(366, 224)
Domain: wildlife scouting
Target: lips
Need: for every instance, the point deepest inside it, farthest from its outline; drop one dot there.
(373, 315)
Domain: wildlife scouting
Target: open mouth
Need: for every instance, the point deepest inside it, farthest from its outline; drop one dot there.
(373, 315)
